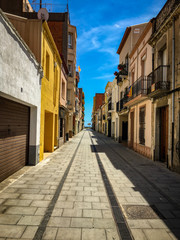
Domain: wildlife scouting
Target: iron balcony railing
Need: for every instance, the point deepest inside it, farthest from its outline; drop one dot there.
(139, 87)
(120, 104)
(158, 79)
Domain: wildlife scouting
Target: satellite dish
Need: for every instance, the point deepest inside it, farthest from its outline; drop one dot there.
(43, 14)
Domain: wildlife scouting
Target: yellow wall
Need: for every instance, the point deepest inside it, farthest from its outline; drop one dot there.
(49, 93)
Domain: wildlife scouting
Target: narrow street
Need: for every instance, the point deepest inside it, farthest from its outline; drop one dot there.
(91, 188)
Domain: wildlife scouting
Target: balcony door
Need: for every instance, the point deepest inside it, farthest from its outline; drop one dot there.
(163, 62)
(143, 71)
(132, 130)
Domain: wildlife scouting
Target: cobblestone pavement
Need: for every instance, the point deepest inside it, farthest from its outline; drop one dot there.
(66, 196)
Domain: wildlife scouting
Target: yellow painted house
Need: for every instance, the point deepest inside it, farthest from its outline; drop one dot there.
(51, 64)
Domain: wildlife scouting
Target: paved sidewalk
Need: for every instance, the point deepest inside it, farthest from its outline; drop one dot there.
(82, 210)
(138, 183)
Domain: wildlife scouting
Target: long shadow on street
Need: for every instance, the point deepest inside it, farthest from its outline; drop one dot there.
(157, 185)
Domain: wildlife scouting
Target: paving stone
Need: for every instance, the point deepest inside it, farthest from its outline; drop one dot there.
(82, 205)
(9, 219)
(9, 231)
(40, 211)
(48, 197)
(40, 203)
(30, 220)
(107, 214)
(104, 199)
(9, 195)
(50, 233)
(66, 204)
(75, 198)
(21, 210)
(32, 196)
(91, 199)
(157, 223)
(30, 232)
(104, 223)
(27, 190)
(82, 223)
(138, 234)
(112, 234)
(99, 194)
(154, 234)
(57, 212)
(92, 213)
(89, 234)
(59, 222)
(47, 191)
(10, 190)
(83, 184)
(17, 202)
(101, 205)
(69, 234)
(68, 193)
(139, 224)
(83, 193)
(72, 212)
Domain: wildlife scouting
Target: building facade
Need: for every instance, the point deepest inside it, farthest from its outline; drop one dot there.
(127, 43)
(20, 101)
(164, 86)
(98, 102)
(63, 110)
(51, 63)
(72, 92)
(139, 104)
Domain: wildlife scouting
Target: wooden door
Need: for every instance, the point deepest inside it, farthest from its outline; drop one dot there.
(132, 129)
(163, 133)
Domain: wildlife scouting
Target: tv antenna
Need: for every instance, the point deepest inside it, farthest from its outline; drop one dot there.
(40, 3)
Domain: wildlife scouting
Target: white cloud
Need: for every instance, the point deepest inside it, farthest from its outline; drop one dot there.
(104, 38)
(110, 77)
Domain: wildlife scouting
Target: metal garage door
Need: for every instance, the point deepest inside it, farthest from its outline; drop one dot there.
(14, 135)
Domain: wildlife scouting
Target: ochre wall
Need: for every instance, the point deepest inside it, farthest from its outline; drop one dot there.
(49, 96)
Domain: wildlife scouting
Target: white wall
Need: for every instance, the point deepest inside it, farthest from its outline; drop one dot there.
(20, 79)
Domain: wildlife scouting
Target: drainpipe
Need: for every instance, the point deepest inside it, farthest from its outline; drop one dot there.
(173, 87)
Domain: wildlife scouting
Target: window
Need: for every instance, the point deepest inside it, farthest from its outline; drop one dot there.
(70, 45)
(143, 64)
(63, 89)
(61, 127)
(127, 62)
(68, 96)
(70, 70)
(142, 125)
(121, 95)
(47, 65)
(132, 76)
(55, 87)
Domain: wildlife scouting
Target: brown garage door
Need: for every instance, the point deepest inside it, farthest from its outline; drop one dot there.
(14, 135)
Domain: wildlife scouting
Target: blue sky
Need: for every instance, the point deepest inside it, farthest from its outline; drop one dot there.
(100, 27)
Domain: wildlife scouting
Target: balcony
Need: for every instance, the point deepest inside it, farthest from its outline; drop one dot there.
(158, 84)
(138, 91)
(121, 104)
